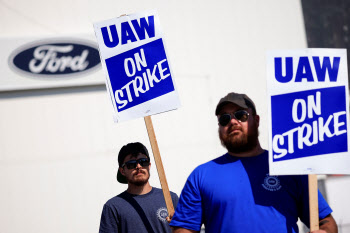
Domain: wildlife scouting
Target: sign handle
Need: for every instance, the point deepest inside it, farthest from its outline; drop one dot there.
(159, 165)
(313, 203)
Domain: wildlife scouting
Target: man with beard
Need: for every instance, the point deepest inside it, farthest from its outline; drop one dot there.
(141, 208)
(234, 192)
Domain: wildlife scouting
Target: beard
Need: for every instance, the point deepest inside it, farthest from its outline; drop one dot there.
(140, 181)
(236, 144)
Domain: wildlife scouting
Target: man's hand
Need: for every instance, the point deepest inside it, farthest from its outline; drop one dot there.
(169, 218)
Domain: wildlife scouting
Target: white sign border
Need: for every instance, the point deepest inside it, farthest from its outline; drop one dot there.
(320, 164)
(151, 107)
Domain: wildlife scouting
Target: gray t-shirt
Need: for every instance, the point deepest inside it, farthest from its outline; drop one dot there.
(136, 213)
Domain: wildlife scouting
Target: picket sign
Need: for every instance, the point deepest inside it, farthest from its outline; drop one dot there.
(138, 75)
(313, 203)
(309, 127)
(159, 165)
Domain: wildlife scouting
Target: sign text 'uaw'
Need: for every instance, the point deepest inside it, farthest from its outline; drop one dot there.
(133, 54)
(309, 111)
(143, 28)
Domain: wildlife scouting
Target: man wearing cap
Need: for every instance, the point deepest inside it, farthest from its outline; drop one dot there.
(141, 208)
(235, 193)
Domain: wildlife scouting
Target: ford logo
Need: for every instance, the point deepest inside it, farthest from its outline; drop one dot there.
(55, 58)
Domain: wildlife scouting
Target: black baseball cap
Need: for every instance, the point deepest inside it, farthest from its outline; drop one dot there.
(241, 100)
(133, 148)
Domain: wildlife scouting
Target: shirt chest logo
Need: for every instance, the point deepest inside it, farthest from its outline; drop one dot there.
(162, 213)
(271, 183)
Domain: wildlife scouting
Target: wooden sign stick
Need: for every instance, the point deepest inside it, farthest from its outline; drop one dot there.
(313, 203)
(159, 165)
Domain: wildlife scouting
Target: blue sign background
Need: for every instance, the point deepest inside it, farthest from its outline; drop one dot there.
(154, 53)
(332, 101)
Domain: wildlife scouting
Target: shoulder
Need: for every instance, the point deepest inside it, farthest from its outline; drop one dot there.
(159, 191)
(117, 200)
(206, 171)
(208, 167)
(214, 163)
(156, 190)
(173, 195)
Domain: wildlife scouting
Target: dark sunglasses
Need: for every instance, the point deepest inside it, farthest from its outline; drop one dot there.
(241, 116)
(144, 162)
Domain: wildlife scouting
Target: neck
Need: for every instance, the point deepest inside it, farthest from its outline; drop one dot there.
(257, 150)
(139, 190)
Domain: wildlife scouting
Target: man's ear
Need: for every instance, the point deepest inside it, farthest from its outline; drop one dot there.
(122, 171)
(257, 120)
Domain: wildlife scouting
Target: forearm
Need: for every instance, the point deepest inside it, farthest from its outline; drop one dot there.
(327, 225)
(182, 230)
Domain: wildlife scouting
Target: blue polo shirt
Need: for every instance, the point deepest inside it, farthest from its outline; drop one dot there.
(231, 194)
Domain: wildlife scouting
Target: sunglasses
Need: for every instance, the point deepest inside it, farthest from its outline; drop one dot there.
(132, 164)
(241, 116)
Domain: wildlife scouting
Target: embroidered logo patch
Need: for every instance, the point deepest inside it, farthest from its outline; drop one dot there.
(271, 183)
(162, 213)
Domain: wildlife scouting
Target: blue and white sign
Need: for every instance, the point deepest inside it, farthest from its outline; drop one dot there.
(308, 112)
(139, 78)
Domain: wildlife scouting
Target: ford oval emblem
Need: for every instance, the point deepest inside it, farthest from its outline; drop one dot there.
(55, 58)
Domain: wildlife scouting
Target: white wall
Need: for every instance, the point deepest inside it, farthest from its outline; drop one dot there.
(58, 148)
(338, 189)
